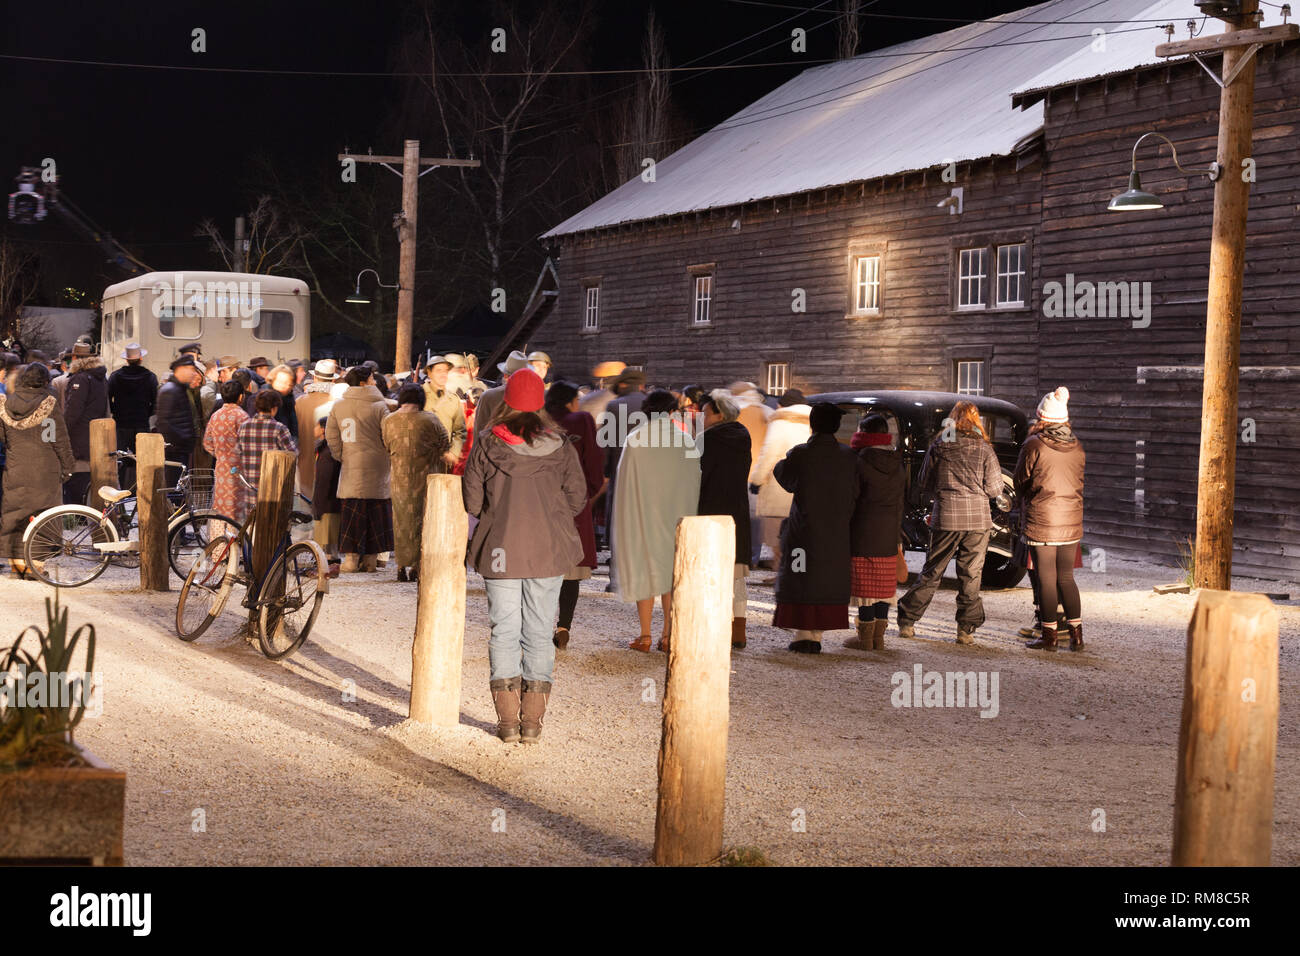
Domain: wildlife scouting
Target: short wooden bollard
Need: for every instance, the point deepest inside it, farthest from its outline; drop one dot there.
(103, 466)
(1223, 800)
(151, 507)
(693, 749)
(274, 502)
(439, 645)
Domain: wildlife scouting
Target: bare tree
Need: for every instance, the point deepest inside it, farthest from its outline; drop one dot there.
(644, 117)
(849, 29)
(274, 240)
(19, 279)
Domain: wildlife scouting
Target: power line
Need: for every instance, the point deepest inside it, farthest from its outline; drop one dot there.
(963, 20)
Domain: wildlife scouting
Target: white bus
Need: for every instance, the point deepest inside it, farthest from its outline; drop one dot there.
(227, 313)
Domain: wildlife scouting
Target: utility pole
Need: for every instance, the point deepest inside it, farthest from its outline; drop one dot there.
(411, 161)
(1218, 457)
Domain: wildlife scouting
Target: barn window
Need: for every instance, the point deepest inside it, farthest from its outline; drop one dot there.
(972, 273)
(866, 284)
(778, 377)
(700, 314)
(591, 309)
(969, 375)
(1011, 274)
(273, 325)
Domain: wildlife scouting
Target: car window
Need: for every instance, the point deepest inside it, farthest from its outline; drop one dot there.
(853, 415)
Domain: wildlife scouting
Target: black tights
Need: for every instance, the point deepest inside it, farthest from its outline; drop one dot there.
(878, 611)
(1054, 572)
(568, 601)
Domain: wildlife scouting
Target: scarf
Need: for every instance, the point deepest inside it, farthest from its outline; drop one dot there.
(1060, 433)
(870, 440)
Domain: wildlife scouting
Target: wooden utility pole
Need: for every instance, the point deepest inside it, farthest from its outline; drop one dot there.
(1227, 743)
(411, 161)
(151, 509)
(439, 646)
(275, 483)
(693, 748)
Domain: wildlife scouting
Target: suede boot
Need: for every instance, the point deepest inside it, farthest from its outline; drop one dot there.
(351, 563)
(878, 634)
(536, 694)
(1046, 642)
(1076, 636)
(505, 695)
(865, 640)
(369, 563)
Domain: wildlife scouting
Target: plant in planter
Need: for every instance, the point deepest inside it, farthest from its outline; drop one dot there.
(57, 801)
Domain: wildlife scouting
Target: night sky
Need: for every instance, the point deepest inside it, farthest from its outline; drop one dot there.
(149, 153)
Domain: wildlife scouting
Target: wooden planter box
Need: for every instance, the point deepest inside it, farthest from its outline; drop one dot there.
(62, 815)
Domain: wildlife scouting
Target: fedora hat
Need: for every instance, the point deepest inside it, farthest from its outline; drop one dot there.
(228, 361)
(133, 351)
(257, 361)
(82, 349)
(326, 370)
(517, 360)
(540, 356)
(438, 360)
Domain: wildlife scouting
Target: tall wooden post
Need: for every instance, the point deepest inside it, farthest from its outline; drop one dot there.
(151, 508)
(693, 748)
(406, 263)
(1223, 799)
(439, 645)
(103, 466)
(1218, 457)
(274, 502)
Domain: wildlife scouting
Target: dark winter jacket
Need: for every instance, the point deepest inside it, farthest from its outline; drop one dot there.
(525, 497)
(85, 399)
(288, 415)
(325, 487)
(581, 429)
(1049, 486)
(962, 475)
(878, 517)
(132, 395)
(176, 418)
(724, 477)
(824, 477)
(38, 459)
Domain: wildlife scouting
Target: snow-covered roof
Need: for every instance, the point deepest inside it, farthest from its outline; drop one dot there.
(927, 102)
(267, 283)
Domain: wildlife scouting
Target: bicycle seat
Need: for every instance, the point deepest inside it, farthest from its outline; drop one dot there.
(112, 495)
(298, 517)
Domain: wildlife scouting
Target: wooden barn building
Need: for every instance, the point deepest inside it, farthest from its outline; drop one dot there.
(934, 216)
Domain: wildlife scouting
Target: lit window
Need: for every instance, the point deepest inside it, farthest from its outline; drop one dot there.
(591, 311)
(1011, 274)
(866, 296)
(703, 299)
(778, 377)
(971, 276)
(273, 325)
(970, 377)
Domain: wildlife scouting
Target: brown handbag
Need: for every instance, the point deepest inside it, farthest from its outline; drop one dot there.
(902, 566)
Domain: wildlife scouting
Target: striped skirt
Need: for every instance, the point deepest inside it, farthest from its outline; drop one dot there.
(365, 525)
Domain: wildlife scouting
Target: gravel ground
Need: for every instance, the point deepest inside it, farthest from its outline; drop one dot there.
(232, 759)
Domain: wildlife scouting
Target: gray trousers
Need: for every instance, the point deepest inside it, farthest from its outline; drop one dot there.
(969, 548)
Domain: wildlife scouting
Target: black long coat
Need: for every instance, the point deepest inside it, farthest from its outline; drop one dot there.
(85, 400)
(878, 518)
(824, 478)
(132, 393)
(724, 473)
(35, 465)
(175, 420)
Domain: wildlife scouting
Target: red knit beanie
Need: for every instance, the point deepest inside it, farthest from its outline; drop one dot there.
(524, 391)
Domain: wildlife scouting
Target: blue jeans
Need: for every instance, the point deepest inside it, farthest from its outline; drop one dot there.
(522, 613)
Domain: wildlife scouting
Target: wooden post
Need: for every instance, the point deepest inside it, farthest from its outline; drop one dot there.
(693, 748)
(406, 257)
(151, 508)
(103, 466)
(438, 650)
(1223, 800)
(1216, 485)
(274, 502)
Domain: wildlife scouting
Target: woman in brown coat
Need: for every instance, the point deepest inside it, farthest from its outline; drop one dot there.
(355, 435)
(417, 443)
(1049, 485)
(525, 485)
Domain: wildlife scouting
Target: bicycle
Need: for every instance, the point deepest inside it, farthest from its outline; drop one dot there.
(71, 545)
(282, 605)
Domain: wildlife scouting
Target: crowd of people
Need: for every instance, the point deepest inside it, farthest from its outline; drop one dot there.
(555, 471)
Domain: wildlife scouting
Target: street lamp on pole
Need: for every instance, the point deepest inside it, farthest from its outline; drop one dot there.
(356, 298)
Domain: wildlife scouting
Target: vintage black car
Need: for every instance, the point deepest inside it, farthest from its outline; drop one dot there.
(915, 418)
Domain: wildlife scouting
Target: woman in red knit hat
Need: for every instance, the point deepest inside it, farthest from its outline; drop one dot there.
(524, 483)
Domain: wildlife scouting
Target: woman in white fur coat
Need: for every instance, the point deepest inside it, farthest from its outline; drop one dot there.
(787, 427)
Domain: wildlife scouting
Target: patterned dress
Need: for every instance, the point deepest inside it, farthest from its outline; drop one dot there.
(416, 442)
(256, 436)
(221, 441)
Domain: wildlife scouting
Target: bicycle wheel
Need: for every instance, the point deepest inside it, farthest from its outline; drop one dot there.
(61, 548)
(189, 536)
(290, 599)
(206, 588)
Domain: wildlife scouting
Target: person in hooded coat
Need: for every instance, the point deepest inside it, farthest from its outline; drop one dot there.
(815, 576)
(417, 444)
(875, 531)
(354, 431)
(38, 458)
(85, 399)
(525, 485)
(657, 484)
(724, 472)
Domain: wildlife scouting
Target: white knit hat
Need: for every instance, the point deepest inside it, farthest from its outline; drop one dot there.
(1053, 407)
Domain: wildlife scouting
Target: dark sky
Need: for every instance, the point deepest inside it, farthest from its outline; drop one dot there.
(150, 153)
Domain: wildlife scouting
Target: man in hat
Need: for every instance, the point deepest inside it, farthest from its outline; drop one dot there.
(259, 366)
(540, 363)
(300, 376)
(191, 348)
(132, 394)
(210, 391)
(446, 404)
(597, 400)
(179, 419)
(314, 405)
(490, 402)
(86, 396)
